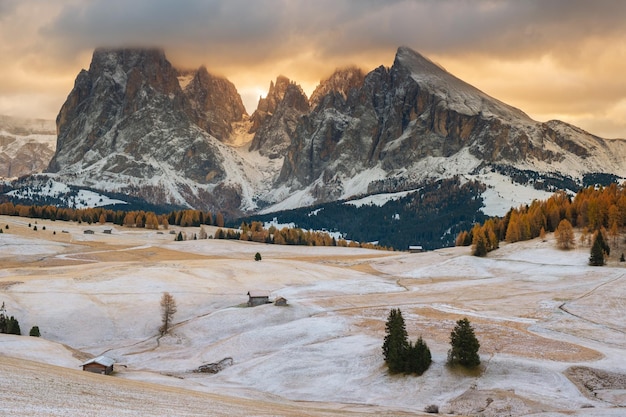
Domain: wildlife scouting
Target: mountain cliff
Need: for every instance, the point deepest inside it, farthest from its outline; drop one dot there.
(214, 103)
(277, 117)
(26, 145)
(134, 124)
(128, 126)
(415, 121)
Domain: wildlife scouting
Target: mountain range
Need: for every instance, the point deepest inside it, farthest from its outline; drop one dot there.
(134, 124)
(26, 145)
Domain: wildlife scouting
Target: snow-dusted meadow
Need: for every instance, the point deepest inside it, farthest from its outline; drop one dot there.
(540, 314)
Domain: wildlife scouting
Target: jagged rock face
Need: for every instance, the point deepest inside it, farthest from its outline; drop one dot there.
(405, 114)
(127, 121)
(118, 85)
(128, 126)
(268, 105)
(274, 135)
(341, 81)
(214, 104)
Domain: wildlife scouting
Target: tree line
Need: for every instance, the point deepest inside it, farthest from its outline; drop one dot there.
(256, 232)
(135, 218)
(253, 231)
(593, 209)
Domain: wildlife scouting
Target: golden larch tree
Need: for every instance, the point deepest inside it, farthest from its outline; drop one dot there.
(168, 309)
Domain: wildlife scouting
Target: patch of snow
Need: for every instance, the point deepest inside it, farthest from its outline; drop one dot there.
(184, 80)
(359, 183)
(379, 199)
(56, 189)
(502, 193)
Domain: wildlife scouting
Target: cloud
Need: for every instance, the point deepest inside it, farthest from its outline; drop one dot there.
(546, 56)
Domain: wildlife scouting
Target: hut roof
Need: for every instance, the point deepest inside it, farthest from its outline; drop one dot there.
(258, 293)
(101, 360)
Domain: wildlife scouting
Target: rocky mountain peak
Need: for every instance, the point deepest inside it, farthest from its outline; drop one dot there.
(127, 126)
(148, 66)
(119, 83)
(458, 95)
(134, 124)
(341, 81)
(267, 105)
(276, 129)
(214, 103)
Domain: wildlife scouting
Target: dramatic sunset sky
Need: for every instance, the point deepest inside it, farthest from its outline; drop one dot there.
(563, 59)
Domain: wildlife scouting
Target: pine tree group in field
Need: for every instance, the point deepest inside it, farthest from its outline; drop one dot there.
(8, 325)
(402, 356)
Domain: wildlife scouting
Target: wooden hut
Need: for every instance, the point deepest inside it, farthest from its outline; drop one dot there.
(280, 301)
(257, 298)
(100, 365)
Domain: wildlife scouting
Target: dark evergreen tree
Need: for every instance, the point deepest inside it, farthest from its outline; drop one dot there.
(13, 326)
(464, 345)
(3, 319)
(396, 342)
(596, 258)
(418, 357)
(34, 331)
(179, 237)
(621, 258)
(603, 243)
(257, 256)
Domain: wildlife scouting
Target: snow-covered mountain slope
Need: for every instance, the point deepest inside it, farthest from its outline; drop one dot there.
(56, 191)
(26, 145)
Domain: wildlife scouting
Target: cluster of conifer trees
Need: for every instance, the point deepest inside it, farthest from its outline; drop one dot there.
(135, 218)
(256, 232)
(403, 356)
(592, 209)
(8, 325)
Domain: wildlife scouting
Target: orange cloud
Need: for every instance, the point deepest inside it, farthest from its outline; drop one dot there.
(562, 58)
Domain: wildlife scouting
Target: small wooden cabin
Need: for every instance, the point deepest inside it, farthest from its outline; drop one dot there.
(107, 231)
(415, 249)
(89, 232)
(257, 298)
(280, 301)
(100, 365)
